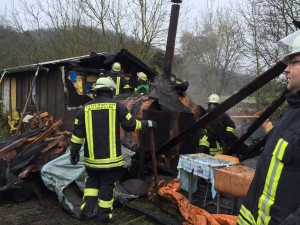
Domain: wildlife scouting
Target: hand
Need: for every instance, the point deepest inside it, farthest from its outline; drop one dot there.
(74, 159)
(74, 153)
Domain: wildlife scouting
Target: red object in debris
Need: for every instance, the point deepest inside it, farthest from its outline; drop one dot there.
(193, 214)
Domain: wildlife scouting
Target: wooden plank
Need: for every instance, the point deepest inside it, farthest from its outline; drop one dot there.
(9, 156)
(54, 143)
(51, 93)
(13, 93)
(43, 83)
(34, 137)
(65, 133)
(12, 146)
(46, 133)
(24, 173)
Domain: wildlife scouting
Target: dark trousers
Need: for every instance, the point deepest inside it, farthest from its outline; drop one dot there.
(99, 187)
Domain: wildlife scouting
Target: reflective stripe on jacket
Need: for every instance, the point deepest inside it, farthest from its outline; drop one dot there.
(274, 196)
(121, 83)
(210, 141)
(99, 124)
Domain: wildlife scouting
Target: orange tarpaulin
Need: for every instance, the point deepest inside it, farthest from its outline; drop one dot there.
(193, 214)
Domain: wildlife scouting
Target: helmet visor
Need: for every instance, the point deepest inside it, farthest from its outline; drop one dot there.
(289, 46)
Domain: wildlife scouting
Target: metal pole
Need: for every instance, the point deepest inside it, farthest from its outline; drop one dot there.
(191, 184)
(167, 67)
(153, 153)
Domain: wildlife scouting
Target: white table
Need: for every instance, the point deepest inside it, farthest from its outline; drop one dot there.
(191, 166)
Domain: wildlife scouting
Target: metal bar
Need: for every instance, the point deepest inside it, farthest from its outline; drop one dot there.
(257, 83)
(153, 153)
(167, 67)
(265, 115)
(190, 184)
(218, 202)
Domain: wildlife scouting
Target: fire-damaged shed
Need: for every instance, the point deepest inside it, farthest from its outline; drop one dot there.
(51, 92)
(61, 87)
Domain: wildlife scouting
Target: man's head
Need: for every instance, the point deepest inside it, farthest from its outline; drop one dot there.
(104, 84)
(213, 101)
(292, 60)
(116, 66)
(142, 76)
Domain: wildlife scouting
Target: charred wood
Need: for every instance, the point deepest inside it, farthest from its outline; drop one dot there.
(263, 117)
(25, 157)
(15, 144)
(11, 181)
(227, 104)
(45, 134)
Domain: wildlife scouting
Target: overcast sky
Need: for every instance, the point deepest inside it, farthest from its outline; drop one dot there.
(195, 5)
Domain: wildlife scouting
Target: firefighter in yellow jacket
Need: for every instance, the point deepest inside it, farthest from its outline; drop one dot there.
(122, 85)
(274, 195)
(208, 142)
(98, 123)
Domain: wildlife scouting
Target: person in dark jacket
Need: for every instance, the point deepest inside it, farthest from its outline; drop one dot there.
(97, 126)
(274, 194)
(122, 84)
(208, 142)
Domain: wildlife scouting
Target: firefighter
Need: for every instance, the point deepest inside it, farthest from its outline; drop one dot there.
(274, 196)
(208, 142)
(97, 125)
(143, 87)
(122, 85)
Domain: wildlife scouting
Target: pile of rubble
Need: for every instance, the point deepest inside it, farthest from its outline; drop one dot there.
(27, 152)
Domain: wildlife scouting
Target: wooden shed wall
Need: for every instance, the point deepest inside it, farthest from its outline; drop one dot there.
(50, 96)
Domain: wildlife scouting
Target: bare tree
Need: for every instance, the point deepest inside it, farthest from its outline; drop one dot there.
(98, 13)
(55, 29)
(216, 47)
(138, 25)
(266, 22)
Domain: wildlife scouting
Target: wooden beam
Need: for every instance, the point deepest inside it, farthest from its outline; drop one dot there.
(54, 143)
(12, 146)
(45, 134)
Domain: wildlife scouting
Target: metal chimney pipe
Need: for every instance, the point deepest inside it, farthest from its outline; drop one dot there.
(167, 67)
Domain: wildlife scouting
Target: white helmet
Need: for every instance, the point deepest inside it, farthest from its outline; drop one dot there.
(214, 98)
(116, 66)
(105, 84)
(291, 45)
(142, 76)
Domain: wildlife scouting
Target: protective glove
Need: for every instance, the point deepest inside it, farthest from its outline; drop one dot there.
(148, 123)
(74, 153)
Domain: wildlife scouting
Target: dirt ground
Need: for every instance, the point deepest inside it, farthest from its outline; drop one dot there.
(30, 212)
